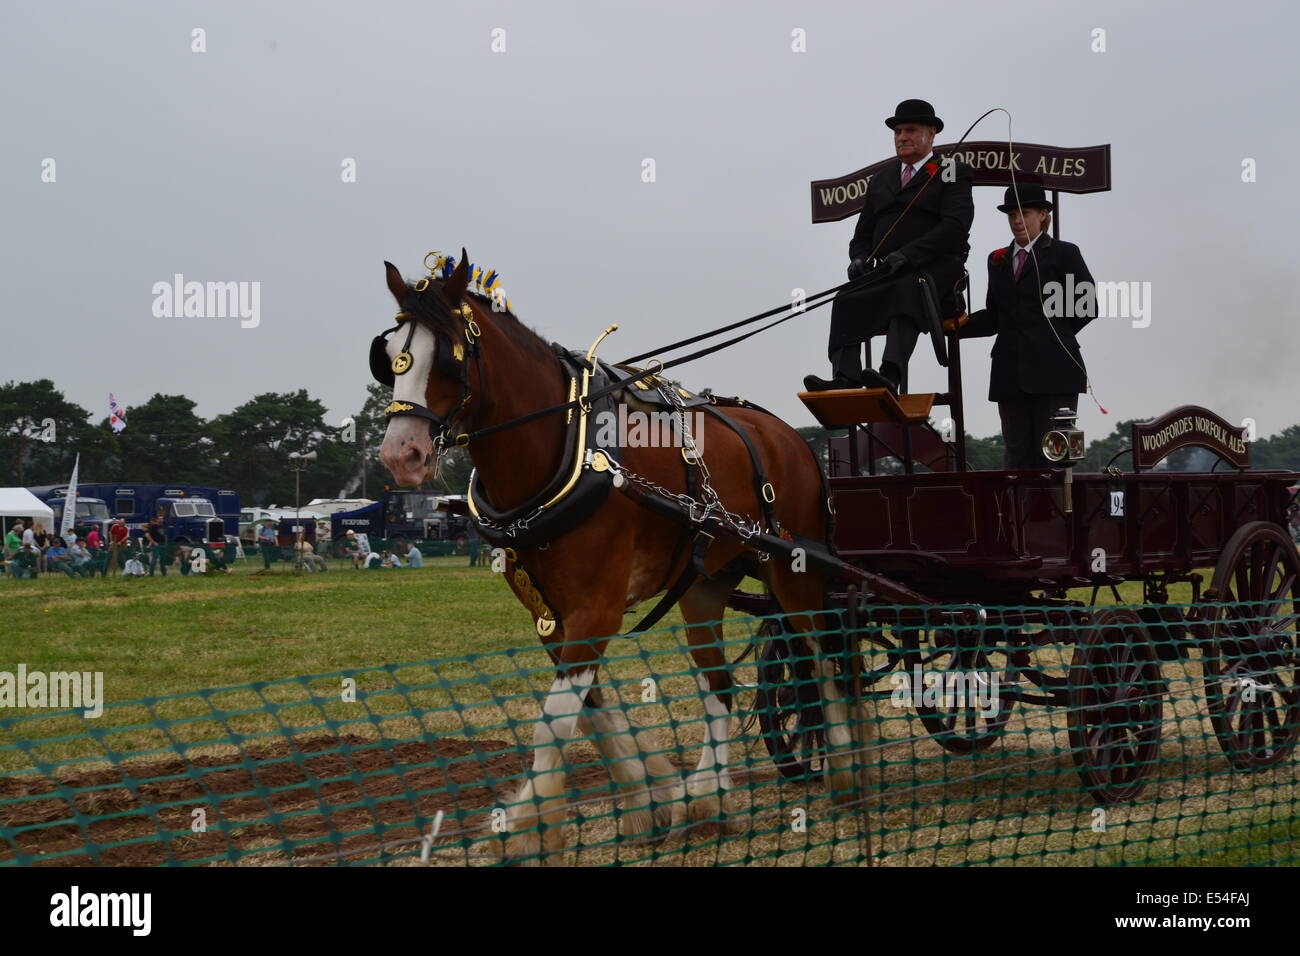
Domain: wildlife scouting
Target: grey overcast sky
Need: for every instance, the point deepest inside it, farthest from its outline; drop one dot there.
(226, 166)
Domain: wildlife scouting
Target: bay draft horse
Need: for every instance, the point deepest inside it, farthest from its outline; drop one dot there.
(617, 558)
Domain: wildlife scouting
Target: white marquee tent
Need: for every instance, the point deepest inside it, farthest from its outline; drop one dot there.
(21, 503)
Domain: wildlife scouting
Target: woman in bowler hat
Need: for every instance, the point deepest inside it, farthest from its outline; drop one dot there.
(1037, 366)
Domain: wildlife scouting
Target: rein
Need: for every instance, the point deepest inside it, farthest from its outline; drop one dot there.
(463, 439)
(445, 423)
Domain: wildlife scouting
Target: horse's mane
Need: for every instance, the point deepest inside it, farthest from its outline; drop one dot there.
(430, 308)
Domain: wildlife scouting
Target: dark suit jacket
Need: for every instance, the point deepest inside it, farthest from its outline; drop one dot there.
(934, 233)
(1027, 358)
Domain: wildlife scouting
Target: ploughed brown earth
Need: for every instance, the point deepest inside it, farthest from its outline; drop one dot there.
(403, 782)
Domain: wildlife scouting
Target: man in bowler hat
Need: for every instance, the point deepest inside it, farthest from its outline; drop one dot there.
(1037, 366)
(915, 221)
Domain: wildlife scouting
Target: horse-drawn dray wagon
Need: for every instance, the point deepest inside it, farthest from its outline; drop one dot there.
(867, 576)
(1029, 552)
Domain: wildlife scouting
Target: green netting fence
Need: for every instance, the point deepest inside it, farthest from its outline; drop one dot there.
(1142, 735)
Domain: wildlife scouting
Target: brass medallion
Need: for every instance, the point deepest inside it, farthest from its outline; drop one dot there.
(401, 363)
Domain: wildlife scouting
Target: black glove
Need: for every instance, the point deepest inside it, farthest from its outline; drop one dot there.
(856, 268)
(894, 262)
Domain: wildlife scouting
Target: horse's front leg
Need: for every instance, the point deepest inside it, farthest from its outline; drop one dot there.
(536, 816)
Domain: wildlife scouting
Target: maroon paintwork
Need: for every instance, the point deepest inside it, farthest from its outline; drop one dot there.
(994, 536)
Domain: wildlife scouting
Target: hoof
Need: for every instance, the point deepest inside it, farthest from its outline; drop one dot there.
(707, 807)
(523, 849)
(670, 816)
(636, 824)
(843, 788)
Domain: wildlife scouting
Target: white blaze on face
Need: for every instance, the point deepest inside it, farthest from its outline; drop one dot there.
(408, 448)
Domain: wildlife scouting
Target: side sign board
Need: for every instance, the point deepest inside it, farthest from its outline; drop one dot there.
(1083, 169)
(1189, 425)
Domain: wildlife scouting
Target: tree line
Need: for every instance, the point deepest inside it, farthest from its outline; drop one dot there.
(166, 441)
(248, 447)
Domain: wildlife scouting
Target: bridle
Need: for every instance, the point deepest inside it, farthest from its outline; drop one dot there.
(452, 358)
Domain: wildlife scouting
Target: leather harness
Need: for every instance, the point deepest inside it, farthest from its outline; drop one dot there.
(587, 468)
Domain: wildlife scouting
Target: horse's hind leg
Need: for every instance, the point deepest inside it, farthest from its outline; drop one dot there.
(652, 798)
(802, 591)
(702, 606)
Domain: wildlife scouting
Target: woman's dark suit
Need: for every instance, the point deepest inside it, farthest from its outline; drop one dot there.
(1037, 366)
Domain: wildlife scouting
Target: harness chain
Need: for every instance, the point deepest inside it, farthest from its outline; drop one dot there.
(712, 505)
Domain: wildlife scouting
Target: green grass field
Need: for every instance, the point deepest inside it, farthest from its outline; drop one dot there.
(165, 635)
(158, 635)
(155, 637)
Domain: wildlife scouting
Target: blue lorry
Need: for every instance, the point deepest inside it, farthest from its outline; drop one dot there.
(90, 512)
(191, 513)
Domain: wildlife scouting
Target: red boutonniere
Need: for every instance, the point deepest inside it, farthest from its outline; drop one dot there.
(999, 256)
(932, 168)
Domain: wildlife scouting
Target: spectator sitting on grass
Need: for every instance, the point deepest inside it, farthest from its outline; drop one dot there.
(352, 549)
(59, 559)
(43, 539)
(216, 555)
(307, 556)
(390, 560)
(14, 539)
(23, 563)
(374, 561)
(81, 559)
(414, 559)
(209, 560)
(134, 567)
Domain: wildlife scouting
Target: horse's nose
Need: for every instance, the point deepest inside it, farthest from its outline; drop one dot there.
(406, 461)
(406, 458)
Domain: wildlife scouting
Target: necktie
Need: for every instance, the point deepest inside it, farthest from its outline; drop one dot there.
(1021, 256)
(907, 175)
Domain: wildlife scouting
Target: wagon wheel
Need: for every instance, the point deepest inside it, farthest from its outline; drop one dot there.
(1116, 705)
(1168, 629)
(1250, 658)
(959, 724)
(788, 703)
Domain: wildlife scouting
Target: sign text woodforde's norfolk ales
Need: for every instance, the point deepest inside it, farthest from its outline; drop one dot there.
(1188, 425)
(1082, 170)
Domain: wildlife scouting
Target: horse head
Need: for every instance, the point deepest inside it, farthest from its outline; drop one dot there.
(426, 359)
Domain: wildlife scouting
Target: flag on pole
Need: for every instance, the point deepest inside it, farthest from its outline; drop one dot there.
(116, 415)
(70, 501)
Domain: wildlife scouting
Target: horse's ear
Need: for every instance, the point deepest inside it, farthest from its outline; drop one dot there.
(396, 284)
(454, 287)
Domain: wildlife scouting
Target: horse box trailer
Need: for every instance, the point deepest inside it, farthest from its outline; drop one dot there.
(412, 513)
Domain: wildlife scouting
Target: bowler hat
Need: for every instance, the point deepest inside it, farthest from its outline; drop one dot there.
(915, 111)
(1032, 195)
